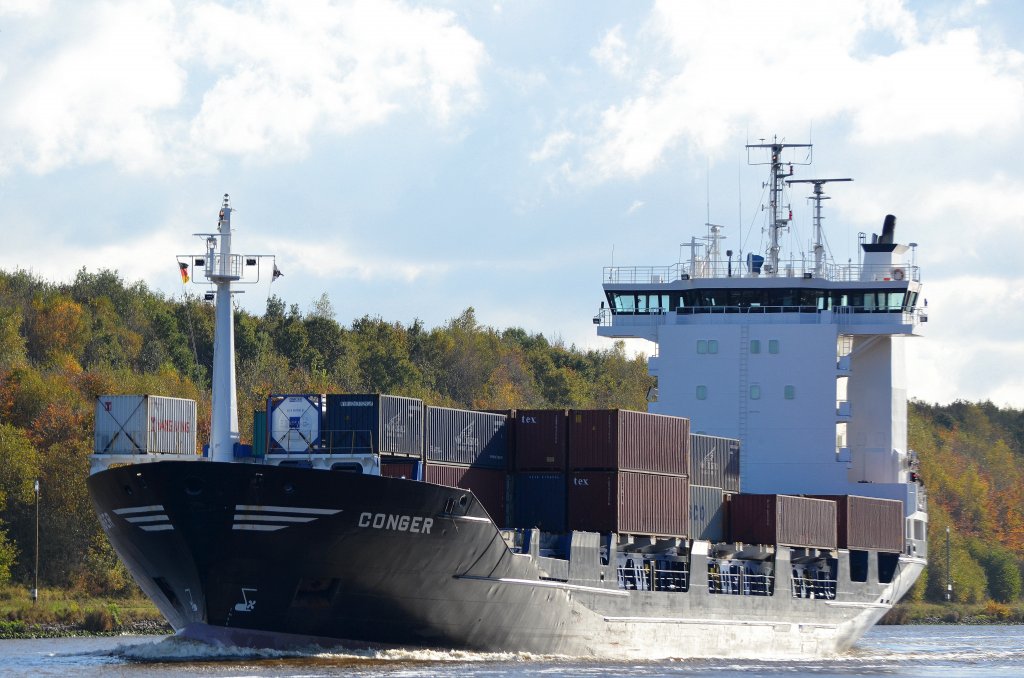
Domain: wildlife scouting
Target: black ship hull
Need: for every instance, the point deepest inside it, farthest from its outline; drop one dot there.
(272, 556)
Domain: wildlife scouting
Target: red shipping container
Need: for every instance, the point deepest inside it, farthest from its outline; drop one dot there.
(399, 468)
(781, 519)
(488, 484)
(623, 440)
(629, 503)
(540, 440)
(869, 523)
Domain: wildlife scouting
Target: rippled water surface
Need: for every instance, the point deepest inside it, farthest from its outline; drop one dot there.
(990, 651)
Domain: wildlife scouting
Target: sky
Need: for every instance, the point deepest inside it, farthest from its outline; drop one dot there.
(411, 160)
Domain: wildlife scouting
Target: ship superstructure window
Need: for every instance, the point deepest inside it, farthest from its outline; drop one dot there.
(773, 346)
(773, 300)
(712, 346)
(702, 392)
(789, 392)
(755, 392)
(702, 346)
(755, 345)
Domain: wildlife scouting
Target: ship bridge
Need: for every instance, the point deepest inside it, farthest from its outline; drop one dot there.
(802, 360)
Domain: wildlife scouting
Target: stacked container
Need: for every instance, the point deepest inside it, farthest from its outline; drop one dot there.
(715, 462)
(487, 484)
(293, 423)
(628, 472)
(145, 424)
(466, 438)
(356, 423)
(708, 513)
(778, 519)
(714, 476)
(469, 449)
(869, 523)
(540, 452)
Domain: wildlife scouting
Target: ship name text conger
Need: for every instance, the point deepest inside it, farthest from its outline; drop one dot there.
(391, 521)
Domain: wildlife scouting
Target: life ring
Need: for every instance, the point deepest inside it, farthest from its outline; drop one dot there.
(897, 274)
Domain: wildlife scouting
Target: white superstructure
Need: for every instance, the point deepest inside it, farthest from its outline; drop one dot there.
(803, 361)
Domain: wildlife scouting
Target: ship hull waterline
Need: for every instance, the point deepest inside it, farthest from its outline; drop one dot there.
(269, 556)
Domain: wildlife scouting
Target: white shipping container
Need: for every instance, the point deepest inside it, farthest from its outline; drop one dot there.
(145, 424)
(294, 422)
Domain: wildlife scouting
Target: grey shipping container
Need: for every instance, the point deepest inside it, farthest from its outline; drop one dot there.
(540, 440)
(869, 523)
(293, 423)
(141, 424)
(715, 462)
(373, 422)
(539, 500)
(489, 485)
(623, 440)
(466, 437)
(628, 502)
(782, 519)
(707, 513)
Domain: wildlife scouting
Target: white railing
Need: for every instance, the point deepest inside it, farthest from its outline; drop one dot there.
(806, 587)
(740, 583)
(220, 266)
(787, 269)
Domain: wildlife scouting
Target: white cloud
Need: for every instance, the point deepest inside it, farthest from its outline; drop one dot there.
(152, 85)
(708, 71)
(612, 52)
(336, 259)
(554, 144)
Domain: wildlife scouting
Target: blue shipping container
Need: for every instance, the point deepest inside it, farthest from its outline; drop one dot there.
(372, 422)
(540, 501)
(465, 437)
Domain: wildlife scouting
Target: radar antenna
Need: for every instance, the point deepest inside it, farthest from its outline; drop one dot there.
(819, 195)
(778, 172)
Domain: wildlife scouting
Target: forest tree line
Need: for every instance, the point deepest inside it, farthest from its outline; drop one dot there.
(61, 345)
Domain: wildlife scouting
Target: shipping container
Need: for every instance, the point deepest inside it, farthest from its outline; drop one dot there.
(539, 440)
(715, 462)
(622, 440)
(466, 437)
(869, 523)
(629, 503)
(373, 422)
(707, 513)
(539, 500)
(294, 423)
(141, 424)
(489, 485)
(401, 467)
(783, 520)
(259, 433)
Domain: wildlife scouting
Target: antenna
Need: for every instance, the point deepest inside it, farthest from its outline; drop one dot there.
(778, 172)
(819, 247)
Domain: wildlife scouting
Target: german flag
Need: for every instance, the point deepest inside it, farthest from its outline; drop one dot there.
(184, 272)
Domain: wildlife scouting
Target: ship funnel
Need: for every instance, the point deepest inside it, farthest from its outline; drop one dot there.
(888, 230)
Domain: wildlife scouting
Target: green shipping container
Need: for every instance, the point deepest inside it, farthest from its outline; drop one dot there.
(259, 433)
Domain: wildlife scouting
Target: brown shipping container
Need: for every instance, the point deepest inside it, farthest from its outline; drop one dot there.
(869, 523)
(782, 519)
(623, 440)
(488, 484)
(629, 503)
(540, 441)
(399, 468)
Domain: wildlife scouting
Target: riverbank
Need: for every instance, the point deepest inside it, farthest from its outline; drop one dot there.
(955, 613)
(59, 613)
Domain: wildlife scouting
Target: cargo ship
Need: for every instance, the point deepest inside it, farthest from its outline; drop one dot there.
(767, 504)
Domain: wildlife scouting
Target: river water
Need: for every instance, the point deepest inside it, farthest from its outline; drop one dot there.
(949, 651)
